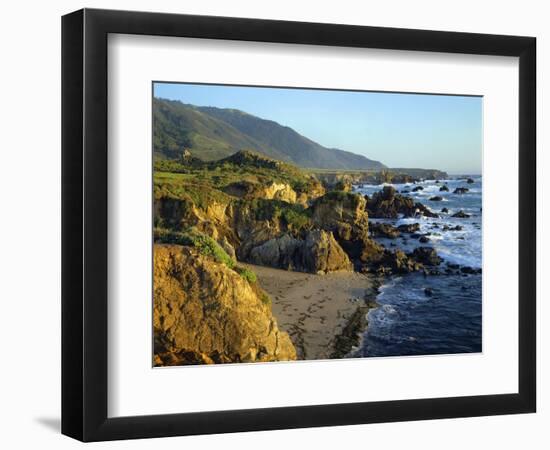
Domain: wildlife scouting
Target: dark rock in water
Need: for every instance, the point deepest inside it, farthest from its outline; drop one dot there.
(393, 244)
(388, 204)
(426, 255)
(417, 188)
(444, 210)
(428, 292)
(383, 230)
(436, 181)
(456, 228)
(425, 211)
(436, 198)
(470, 270)
(398, 262)
(409, 227)
(435, 225)
(461, 215)
(452, 266)
(424, 239)
(444, 188)
(415, 236)
(461, 190)
(470, 181)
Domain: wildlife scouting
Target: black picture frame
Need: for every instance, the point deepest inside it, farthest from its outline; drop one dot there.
(84, 224)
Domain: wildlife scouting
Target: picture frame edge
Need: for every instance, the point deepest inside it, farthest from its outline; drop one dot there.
(84, 231)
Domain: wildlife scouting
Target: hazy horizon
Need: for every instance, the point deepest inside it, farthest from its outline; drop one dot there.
(400, 130)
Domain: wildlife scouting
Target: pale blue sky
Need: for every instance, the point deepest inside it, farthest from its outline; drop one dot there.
(400, 130)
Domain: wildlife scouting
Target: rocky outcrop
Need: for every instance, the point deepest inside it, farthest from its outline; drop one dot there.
(409, 227)
(321, 253)
(204, 312)
(444, 188)
(395, 176)
(388, 204)
(344, 214)
(272, 191)
(180, 214)
(461, 215)
(426, 255)
(337, 208)
(317, 253)
(343, 185)
(461, 190)
(384, 230)
(398, 263)
(455, 228)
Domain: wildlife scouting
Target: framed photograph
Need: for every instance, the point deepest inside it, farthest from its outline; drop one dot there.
(273, 224)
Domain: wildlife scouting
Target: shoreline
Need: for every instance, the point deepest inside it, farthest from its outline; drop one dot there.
(324, 315)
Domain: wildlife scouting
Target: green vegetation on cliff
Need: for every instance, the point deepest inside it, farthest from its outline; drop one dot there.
(294, 216)
(242, 167)
(205, 245)
(179, 186)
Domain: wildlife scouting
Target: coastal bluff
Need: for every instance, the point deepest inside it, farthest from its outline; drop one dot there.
(204, 312)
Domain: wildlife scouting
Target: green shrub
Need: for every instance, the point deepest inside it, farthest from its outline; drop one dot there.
(294, 215)
(295, 218)
(265, 299)
(247, 274)
(193, 238)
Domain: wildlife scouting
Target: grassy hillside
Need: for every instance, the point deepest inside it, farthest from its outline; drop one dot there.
(177, 126)
(208, 180)
(214, 133)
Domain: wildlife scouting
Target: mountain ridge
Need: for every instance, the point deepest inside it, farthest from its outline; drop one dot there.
(214, 133)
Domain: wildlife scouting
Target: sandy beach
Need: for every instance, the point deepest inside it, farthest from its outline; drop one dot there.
(314, 309)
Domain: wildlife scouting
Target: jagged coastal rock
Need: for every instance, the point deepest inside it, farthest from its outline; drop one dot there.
(461, 190)
(461, 215)
(344, 214)
(384, 230)
(388, 204)
(205, 312)
(317, 253)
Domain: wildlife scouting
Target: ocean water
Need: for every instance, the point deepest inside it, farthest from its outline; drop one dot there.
(409, 322)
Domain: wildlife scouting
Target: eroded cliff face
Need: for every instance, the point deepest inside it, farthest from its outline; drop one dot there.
(317, 253)
(204, 312)
(344, 214)
(276, 191)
